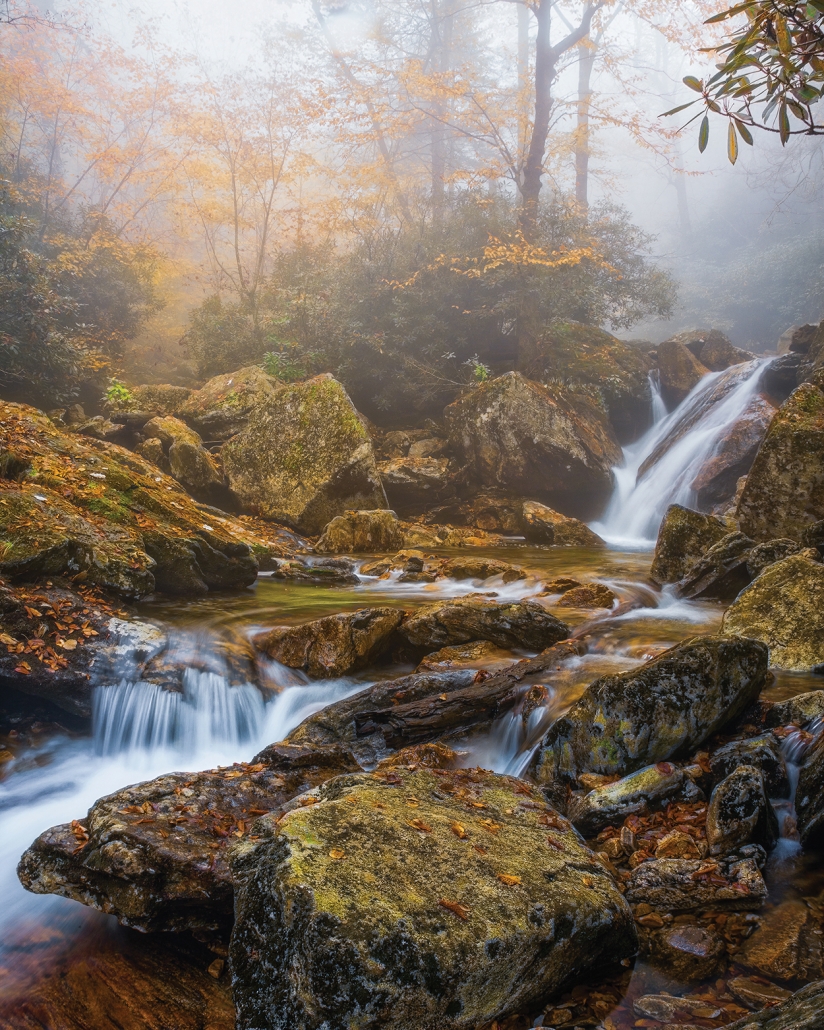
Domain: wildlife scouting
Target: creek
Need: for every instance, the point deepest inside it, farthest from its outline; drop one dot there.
(140, 731)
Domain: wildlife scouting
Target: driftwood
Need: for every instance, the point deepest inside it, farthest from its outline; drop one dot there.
(485, 699)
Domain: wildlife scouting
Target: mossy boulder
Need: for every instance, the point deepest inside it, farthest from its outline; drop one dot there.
(544, 442)
(784, 492)
(679, 371)
(684, 537)
(784, 608)
(188, 460)
(223, 405)
(542, 525)
(617, 374)
(423, 899)
(161, 399)
(663, 710)
(476, 617)
(304, 457)
(713, 349)
(722, 572)
(362, 532)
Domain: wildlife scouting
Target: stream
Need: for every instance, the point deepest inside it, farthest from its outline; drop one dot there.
(140, 731)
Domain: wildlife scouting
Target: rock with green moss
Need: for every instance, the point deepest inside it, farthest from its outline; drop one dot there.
(334, 645)
(684, 537)
(477, 617)
(784, 608)
(784, 492)
(546, 442)
(542, 525)
(304, 457)
(188, 460)
(611, 803)
(223, 405)
(424, 899)
(153, 400)
(679, 371)
(362, 532)
(665, 709)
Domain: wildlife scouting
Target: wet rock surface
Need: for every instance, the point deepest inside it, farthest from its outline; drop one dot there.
(740, 813)
(802, 1011)
(456, 936)
(612, 802)
(542, 525)
(475, 617)
(679, 370)
(359, 532)
(682, 885)
(683, 539)
(722, 572)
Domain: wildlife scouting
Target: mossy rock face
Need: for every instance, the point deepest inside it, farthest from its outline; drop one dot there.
(304, 457)
(665, 709)
(684, 537)
(784, 608)
(362, 532)
(538, 441)
(617, 374)
(222, 406)
(162, 399)
(427, 899)
(784, 492)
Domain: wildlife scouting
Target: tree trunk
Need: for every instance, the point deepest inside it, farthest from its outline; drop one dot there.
(586, 63)
(534, 165)
(441, 18)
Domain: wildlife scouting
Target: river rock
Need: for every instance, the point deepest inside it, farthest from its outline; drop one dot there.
(153, 399)
(809, 794)
(477, 654)
(763, 555)
(686, 952)
(679, 370)
(416, 899)
(155, 854)
(784, 492)
(733, 454)
(613, 802)
(663, 710)
(221, 408)
(414, 482)
(542, 525)
(722, 572)
(471, 567)
(784, 608)
(684, 885)
(800, 710)
(804, 1010)
(475, 617)
(334, 571)
(684, 537)
(519, 435)
(362, 532)
(188, 460)
(665, 1008)
(304, 457)
(334, 645)
(740, 813)
(588, 595)
(785, 945)
(763, 752)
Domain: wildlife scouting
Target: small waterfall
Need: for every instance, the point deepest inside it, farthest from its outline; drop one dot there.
(695, 427)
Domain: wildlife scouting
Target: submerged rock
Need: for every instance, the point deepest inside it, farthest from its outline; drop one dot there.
(221, 408)
(362, 532)
(475, 617)
(304, 457)
(588, 595)
(803, 1011)
(334, 645)
(786, 944)
(542, 525)
(740, 813)
(684, 537)
(683, 885)
(613, 802)
(416, 899)
(538, 441)
(784, 608)
(477, 654)
(155, 854)
(663, 710)
(687, 952)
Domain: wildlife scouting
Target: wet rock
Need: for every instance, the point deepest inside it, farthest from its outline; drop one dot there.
(785, 946)
(679, 370)
(802, 1011)
(684, 537)
(335, 571)
(613, 802)
(542, 525)
(477, 654)
(426, 756)
(677, 844)
(784, 492)
(535, 440)
(663, 710)
(781, 376)
(413, 482)
(686, 952)
(763, 555)
(809, 795)
(304, 457)
(155, 854)
(784, 608)
(740, 813)
(188, 460)
(763, 752)
(560, 585)
(801, 710)
(481, 568)
(196, 566)
(757, 995)
(374, 904)
(733, 454)
(664, 1007)
(722, 572)
(334, 645)
(684, 885)
(718, 353)
(590, 595)
(359, 532)
(475, 617)
(221, 408)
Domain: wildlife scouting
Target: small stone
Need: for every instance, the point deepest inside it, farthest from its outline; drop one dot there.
(667, 1009)
(216, 968)
(677, 844)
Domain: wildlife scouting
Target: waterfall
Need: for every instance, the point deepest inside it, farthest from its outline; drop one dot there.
(680, 443)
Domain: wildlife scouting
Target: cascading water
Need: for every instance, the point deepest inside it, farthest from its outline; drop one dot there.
(695, 427)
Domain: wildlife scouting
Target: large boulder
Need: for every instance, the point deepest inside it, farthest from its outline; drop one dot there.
(740, 813)
(413, 483)
(663, 710)
(722, 572)
(188, 460)
(476, 617)
(784, 492)
(362, 532)
(539, 441)
(684, 537)
(784, 608)
(712, 348)
(304, 457)
(679, 370)
(542, 525)
(155, 854)
(223, 405)
(427, 898)
(335, 644)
